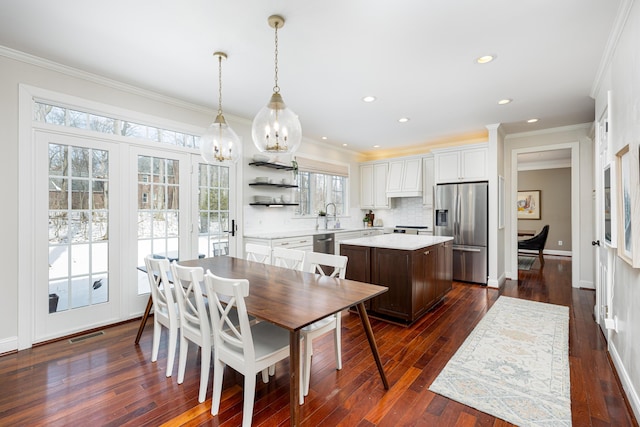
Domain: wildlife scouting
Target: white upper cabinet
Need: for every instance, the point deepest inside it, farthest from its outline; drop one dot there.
(405, 178)
(373, 185)
(428, 181)
(461, 164)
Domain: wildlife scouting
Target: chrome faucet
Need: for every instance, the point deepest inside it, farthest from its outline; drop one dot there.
(326, 217)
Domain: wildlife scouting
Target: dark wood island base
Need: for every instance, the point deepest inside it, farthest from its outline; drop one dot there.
(417, 279)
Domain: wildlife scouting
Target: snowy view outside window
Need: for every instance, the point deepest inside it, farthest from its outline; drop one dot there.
(78, 227)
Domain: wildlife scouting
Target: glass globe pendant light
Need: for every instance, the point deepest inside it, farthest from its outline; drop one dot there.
(276, 128)
(220, 143)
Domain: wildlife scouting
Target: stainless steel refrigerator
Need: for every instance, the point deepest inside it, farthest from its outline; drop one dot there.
(461, 211)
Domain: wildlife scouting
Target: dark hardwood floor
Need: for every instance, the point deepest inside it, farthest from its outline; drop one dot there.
(109, 381)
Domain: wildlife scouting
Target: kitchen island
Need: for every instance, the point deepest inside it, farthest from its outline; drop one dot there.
(417, 269)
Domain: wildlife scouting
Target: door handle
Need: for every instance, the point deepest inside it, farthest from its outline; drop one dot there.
(595, 243)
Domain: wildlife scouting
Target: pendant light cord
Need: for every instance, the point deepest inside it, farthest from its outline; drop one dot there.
(220, 84)
(276, 88)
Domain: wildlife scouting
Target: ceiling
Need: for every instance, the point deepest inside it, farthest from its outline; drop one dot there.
(416, 57)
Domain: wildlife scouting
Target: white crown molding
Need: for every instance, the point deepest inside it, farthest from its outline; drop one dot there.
(612, 43)
(104, 81)
(549, 130)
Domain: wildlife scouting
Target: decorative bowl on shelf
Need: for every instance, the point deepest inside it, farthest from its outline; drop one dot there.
(261, 158)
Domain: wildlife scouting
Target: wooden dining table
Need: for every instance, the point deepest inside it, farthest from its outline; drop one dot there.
(294, 299)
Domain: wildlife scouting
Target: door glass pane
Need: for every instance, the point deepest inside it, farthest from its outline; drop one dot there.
(213, 199)
(77, 233)
(158, 211)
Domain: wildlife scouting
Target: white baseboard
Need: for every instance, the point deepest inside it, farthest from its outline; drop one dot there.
(587, 284)
(627, 385)
(546, 252)
(8, 344)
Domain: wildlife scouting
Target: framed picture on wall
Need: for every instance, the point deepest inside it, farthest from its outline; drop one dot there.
(628, 214)
(528, 204)
(609, 208)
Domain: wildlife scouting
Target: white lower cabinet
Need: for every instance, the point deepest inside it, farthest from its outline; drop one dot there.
(304, 243)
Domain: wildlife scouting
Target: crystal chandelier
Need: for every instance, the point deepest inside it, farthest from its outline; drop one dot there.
(276, 128)
(220, 143)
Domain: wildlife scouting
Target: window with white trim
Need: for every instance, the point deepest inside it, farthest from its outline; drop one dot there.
(320, 183)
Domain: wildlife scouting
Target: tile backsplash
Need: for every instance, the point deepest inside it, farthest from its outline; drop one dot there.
(406, 211)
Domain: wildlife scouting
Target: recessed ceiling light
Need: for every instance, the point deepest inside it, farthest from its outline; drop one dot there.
(504, 101)
(369, 98)
(532, 120)
(376, 146)
(403, 119)
(485, 59)
(324, 137)
(344, 145)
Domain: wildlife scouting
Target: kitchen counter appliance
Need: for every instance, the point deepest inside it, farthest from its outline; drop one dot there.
(462, 211)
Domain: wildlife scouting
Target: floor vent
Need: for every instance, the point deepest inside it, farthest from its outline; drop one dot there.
(86, 337)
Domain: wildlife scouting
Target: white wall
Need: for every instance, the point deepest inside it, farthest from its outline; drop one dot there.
(622, 78)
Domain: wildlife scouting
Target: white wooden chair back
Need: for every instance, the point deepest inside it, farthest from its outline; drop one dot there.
(194, 321)
(335, 265)
(292, 259)
(165, 312)
(247, 348)
(258, 253)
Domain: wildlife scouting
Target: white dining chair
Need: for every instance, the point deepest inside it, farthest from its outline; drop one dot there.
(257, 253)
(248, 349)
(292, 259)
(195, 325)
(165, 311)
(332, 266)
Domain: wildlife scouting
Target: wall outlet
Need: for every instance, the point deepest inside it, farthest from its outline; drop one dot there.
(559, 242)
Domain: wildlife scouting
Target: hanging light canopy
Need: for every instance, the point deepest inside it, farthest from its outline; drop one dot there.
(276, 128)
(220, 143)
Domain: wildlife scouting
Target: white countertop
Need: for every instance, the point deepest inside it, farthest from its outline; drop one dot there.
(406, 242)
(307, 232)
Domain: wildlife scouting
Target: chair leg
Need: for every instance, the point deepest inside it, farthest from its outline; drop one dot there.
(171, 355)
(155, 347)
(541, 258)
(302, 372)
(205, 361)
(249, 397)
(265, 375)
(218, 374)
(308, 352)
(182, 358)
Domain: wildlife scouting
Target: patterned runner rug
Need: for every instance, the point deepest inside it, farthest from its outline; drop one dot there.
(514, 365)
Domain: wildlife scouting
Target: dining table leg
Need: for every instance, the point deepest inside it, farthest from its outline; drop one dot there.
(362, 311)
(143, 322)
(294, 377)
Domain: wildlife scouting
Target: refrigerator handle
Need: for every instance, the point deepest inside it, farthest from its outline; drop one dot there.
(458, 215)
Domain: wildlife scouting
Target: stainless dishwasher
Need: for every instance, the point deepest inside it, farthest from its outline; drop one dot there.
(324, 243)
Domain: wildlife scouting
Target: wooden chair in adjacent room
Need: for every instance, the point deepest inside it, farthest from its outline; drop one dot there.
(165, 311)
(332, 266)
(248, 349)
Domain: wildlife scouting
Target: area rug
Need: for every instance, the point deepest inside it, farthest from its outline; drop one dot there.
(525, 262)
(514, 365)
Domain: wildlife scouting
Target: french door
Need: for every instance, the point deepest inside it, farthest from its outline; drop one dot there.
(76, 265)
